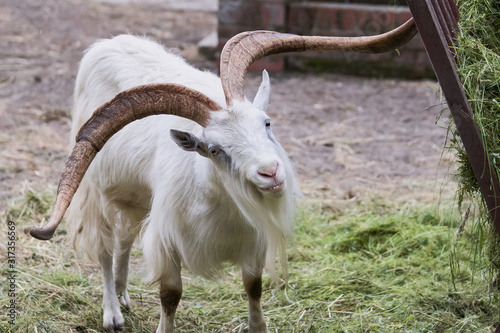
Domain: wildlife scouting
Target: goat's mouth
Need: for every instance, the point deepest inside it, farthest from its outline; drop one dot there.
(274, 188)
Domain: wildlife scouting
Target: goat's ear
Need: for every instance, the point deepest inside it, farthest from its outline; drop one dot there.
(261, 100)
(188, 142)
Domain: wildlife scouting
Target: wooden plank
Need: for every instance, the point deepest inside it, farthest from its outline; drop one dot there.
(452, 4)
(449, 19)
(453, 10)
(442, 20)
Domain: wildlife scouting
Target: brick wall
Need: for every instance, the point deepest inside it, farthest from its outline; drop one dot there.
(329, 19)
(236, 16)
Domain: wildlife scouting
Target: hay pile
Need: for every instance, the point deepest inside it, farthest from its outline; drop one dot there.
(478, 51)
(478, 54)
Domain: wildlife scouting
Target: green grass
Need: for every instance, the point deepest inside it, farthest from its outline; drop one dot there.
(478, 52)
(478, 62)
(376, 269)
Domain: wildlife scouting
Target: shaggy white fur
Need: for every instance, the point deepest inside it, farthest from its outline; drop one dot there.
(229, 200)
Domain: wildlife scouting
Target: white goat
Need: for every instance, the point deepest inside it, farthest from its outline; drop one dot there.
(232, 201)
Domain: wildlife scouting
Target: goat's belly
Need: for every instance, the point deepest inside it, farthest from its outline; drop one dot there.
(134, 196)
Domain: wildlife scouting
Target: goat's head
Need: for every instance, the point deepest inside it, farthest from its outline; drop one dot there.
(237, 55)
(240, 142)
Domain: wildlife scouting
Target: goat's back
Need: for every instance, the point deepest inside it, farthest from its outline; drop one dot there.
(125, 61)
(121, 172)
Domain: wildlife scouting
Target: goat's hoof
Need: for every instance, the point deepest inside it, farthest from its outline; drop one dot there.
(113, 323)
(125, 301)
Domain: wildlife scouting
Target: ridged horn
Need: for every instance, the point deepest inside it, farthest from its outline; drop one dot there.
(245, 48)
(126, 107)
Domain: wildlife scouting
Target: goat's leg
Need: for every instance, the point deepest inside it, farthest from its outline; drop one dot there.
(121, 262)
(112, 318)
(252, 280)
(170, 295)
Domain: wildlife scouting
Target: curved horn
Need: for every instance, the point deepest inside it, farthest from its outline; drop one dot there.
(245, 48)
(108, 119)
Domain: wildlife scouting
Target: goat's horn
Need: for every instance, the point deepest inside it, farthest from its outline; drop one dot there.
(108, 119)
(245, 48)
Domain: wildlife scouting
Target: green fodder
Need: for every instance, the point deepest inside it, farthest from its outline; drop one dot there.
(383, 271)
(478, 52)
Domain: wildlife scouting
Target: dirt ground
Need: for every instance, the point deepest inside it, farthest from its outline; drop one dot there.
(350, 138)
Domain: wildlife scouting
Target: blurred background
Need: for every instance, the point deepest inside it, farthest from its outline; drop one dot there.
(350, 136)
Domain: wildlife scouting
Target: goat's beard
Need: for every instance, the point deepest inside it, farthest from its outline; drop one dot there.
(271, 218)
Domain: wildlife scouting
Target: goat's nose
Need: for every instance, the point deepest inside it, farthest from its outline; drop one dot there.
(269, 171)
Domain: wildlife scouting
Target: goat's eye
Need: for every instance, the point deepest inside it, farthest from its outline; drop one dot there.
(214, 151)
(268, 123)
